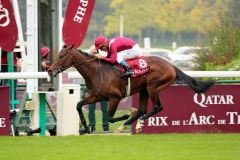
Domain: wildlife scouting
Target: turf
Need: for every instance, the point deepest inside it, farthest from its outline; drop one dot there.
(127, 147)
(122, 147)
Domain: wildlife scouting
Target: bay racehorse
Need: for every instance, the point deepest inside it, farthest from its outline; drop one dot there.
(104, 82)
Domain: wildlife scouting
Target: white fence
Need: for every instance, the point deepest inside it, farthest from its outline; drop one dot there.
(216, 74)
(25, 75)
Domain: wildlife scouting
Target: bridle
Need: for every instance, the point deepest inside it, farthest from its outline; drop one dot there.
(61, 69)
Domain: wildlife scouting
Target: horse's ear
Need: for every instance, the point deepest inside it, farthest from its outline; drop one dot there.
(72, 46)
(65, 46)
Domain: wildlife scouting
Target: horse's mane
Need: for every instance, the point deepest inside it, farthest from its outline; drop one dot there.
(90, 55)
(81, 51)
(85, 53)
(105, 64)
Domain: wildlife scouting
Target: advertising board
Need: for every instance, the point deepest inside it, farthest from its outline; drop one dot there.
(4, 110)
(216, 111)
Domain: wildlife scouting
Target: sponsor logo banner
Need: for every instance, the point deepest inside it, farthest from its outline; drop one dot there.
(8, 26)
(216, 111)
(138, 65)
(76, 20)
(4, 111)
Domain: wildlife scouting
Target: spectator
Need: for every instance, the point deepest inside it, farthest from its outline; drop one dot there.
(92, 119)
(92, 108)
(45, 52)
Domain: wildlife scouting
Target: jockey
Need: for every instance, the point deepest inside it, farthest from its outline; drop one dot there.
(119, 49)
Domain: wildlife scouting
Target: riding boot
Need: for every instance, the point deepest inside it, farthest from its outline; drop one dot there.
(128, 70)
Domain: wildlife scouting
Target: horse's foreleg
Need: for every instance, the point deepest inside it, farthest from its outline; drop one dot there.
(89, 99)
(81, 115)
(143, 99)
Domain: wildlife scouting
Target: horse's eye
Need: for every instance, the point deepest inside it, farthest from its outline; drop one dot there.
(61, 54)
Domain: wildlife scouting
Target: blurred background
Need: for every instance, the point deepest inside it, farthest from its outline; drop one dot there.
(191, 34)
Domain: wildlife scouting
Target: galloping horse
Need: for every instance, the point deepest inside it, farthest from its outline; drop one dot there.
(104, 82)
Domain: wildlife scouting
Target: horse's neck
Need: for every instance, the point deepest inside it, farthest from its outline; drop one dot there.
(88, 69)
(96, 75)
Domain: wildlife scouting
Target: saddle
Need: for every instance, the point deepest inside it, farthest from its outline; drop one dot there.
(139, 66)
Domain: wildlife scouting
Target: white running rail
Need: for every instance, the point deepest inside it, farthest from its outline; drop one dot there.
(25, 75)
(217, 74)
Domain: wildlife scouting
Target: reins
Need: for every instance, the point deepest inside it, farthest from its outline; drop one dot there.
(78, 63)
(83, 62)
(99, 64)
(74, 65)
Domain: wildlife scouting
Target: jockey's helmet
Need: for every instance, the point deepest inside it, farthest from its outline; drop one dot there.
(99, 41)
(44, 51)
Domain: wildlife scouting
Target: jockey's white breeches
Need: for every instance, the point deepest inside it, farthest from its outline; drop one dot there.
(134, 52)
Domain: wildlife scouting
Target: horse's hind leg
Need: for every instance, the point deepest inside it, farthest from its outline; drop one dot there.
(143, 99)
(157, 107)
(113, 104)
(116, 119)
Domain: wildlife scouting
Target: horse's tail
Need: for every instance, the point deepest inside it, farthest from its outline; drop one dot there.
(197, 86)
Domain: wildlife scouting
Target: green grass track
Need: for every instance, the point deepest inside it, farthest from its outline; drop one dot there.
(123, 147)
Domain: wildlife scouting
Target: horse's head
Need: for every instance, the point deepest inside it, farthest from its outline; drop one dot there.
(65, 61)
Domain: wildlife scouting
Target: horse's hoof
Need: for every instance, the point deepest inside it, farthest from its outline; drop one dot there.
(81, 132)
(117, 131)
(138, 130)
(84, 131)
(131, 111)
(139, 125)
(87, 130)
(120, 129)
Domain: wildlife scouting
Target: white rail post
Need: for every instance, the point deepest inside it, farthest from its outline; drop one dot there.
(67, 116)
(32, 43)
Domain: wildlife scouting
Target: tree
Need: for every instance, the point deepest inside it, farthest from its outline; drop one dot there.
(224, 49)
(165, 15)
(135, 13)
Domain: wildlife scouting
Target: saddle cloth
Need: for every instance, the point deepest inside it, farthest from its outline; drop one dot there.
(139, 66)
